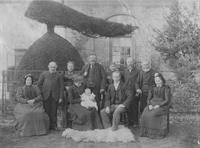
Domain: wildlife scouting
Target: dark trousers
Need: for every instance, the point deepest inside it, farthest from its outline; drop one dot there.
(114, 114)
(98, 100)
(133, 111)
(50, 106)
(66, 117)
(143, 101)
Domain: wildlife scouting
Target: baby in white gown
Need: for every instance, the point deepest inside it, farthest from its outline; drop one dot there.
(88, 99)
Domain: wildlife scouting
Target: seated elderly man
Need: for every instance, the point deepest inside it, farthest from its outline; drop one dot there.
(117, 102)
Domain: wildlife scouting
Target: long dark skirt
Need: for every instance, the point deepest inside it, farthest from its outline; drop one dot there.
(31, 120)
(154, 123)
(84, 119)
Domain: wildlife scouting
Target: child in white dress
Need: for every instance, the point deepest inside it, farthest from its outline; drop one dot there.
(88, 99)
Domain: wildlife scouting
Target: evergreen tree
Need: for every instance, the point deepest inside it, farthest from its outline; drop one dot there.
(179, 43)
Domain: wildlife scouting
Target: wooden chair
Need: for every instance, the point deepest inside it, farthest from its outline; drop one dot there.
(124, 119)
(168, 118)
(168, 121)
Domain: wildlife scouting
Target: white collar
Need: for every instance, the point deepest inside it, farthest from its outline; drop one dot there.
(116, 85)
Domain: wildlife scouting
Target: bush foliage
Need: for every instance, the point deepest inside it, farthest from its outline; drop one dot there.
(179, 46)
(179, 43)
(50, 47)
(51, 12)
(185, 96)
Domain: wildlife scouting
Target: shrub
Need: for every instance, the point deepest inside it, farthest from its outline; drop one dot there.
(50, 47)
(185, 96)
(179, 43)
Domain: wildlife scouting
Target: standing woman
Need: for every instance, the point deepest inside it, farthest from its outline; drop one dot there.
(69, 74)
(31, 119)
(153, 119)
(68, 82)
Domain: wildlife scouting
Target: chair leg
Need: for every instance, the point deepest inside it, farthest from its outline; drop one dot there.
(124, 119)
(168, 122)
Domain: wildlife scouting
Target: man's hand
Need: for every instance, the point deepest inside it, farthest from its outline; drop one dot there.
(121, 105)
(67, 87)
(101, 90)
(31, 102)
(139, 91)
(85, 74)
(107, 110)
(60, 100)
(156, 106)
(150, 107)
(101, 97)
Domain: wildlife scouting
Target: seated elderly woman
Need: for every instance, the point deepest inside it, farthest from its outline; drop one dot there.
(83, 118)
(31, 119)
(153, 119)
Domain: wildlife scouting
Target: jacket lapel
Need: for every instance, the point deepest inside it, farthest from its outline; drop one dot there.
(119, 86)
(118, 91)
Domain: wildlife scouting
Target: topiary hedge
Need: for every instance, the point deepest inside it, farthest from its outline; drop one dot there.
(51, 12)
(50, 47)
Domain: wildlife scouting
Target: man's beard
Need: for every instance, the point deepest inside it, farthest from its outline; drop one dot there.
(130, 67)
(146, 69)
(52, 71)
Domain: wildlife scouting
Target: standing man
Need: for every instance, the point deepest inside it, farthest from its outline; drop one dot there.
(130, 78)
(144, 82)
(51, 86)
(95, 77)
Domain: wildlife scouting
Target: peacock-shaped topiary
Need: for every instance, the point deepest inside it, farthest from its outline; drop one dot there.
(52, 47)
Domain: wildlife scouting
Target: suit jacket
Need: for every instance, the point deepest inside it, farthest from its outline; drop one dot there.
(119, 96)
(139, 82)
(130, 78)
(51, 84)
(98, 78)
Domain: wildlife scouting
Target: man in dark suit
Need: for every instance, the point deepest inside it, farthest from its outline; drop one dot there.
(130, 77)
(95, 77)
(144, 82)
(117, 101)
(51, 86)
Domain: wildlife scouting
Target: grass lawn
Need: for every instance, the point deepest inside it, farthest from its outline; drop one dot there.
(182, 135)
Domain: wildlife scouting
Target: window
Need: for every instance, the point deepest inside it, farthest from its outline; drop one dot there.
(121, 49)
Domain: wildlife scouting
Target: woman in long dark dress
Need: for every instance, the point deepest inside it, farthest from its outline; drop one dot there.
(31, 119)
(82, 118)
(68, 82)
(69, 74)
(153, 119)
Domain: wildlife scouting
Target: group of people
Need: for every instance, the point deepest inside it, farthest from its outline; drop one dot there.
(94, 99)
